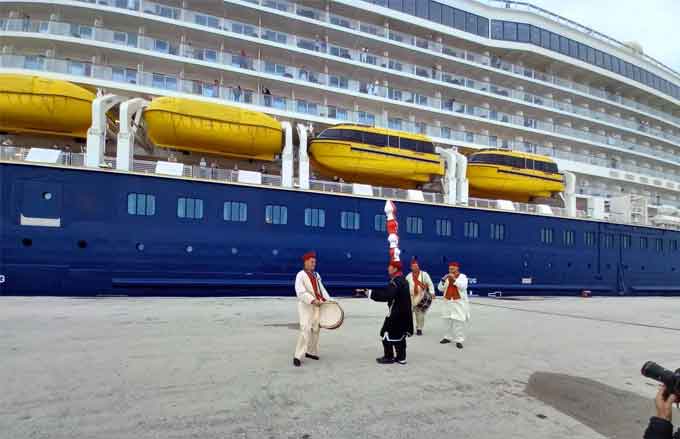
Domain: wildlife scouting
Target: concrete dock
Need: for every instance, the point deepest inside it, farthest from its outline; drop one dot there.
(222, 368)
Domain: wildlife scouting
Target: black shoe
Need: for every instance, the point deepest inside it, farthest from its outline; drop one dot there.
(313, 357)
(419, 332)
(459, 345)
(402, 362)
(385, 360)
(296, 362)
(445, 340)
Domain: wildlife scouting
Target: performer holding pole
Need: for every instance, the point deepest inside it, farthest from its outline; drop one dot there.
(456, 304)
(399, 321)
(422, 293)
(311, 294)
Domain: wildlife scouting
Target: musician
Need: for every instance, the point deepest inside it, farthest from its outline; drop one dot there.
(311, 294)
(422, 293)
(456, 304)
(399, 321)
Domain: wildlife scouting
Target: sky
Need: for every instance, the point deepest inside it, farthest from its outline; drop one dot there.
(655, 24)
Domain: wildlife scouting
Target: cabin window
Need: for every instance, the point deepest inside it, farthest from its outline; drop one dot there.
(443, 227)
(414, 225)
(471, 230)
(189, 208)
(497, 232)
(141, 204)
(674, 245)
(659, 245)
(274, 214)
(644, 243)
(608, 240)
(235, 211)
(547, 236)
(626, 241)
(589, 239)
(375, 139)
(568, 238)
(380, 223)
(349, 220)
(315, 218)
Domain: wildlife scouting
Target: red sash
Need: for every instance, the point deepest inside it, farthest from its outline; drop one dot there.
(452, 292)
(315, 286)
(418, 285)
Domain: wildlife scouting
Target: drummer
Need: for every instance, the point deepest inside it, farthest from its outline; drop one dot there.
(311, 294)
(422, 293)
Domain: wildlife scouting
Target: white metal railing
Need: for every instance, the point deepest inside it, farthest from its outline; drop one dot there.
(277, 69)
(374, 30)
(306, 109)
(77, 160)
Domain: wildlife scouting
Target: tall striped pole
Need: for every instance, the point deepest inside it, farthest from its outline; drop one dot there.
(392, 227)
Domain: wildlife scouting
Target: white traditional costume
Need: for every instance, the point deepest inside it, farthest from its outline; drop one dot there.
(308, 287)
(419, 284)
(456, 306)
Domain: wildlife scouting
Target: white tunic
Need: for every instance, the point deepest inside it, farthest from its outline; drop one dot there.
(305, 294)
(424, 278)
(456, 309)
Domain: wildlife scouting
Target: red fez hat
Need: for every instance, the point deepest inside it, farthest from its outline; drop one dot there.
(395, 264)
(309, 255)
(454, 264)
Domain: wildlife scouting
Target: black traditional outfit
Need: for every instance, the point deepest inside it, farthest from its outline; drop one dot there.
(399, 321)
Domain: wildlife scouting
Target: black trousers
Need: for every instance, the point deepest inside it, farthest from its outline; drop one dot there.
(391, 346)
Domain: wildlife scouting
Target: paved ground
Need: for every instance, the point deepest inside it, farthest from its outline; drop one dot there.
(221, 368)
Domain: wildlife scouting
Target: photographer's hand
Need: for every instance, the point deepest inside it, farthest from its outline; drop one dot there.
(664, 407)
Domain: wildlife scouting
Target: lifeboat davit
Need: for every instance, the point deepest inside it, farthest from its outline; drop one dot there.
(375, 156)
(192, 125)
(512, 175)
(33, 104)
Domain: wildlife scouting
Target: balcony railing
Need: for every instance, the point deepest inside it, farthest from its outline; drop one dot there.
(381, 32)
(291, 72)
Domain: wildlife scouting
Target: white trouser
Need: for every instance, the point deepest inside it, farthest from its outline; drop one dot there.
(454, 330)
(308, 340)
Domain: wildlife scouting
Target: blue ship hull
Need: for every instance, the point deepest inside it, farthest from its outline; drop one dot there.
(91, 245)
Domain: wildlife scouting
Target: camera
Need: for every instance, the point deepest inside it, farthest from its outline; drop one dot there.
(659, 373)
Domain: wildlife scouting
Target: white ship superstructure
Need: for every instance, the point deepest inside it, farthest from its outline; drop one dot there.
(467, 74)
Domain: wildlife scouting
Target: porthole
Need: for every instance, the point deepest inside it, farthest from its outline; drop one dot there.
(234, 251)
(642, 268)
(590, 266)
(568, 264)
(47, 195)
(140, 247)
(189, 249)
(82, 244)
(27, 242)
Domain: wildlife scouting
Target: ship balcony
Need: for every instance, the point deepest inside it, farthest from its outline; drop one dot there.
(412, 44)
(127, 80)
(416, 100)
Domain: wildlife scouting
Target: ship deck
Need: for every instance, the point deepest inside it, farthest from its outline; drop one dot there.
(221, 368)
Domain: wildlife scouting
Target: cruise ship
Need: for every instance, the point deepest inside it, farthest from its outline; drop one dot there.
(200, 147)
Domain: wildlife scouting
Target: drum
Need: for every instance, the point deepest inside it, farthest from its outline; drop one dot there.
(425, 302)
(331, 315)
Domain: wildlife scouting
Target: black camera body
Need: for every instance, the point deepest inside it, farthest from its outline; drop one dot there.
(659, 373)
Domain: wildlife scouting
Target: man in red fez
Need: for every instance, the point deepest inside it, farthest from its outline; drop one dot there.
(399, 322)
(422, 293)
(311, 294)
(456, 310)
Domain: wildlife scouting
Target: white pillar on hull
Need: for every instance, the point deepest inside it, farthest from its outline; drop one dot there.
(303, 157)
(287, 157)
(449, 180)
(570, 193)
(96, 134)
(130, 116)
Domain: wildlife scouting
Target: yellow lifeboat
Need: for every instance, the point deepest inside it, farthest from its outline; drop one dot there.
(32, 104)
(512, 175)
(375, 156)
(191, 125)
